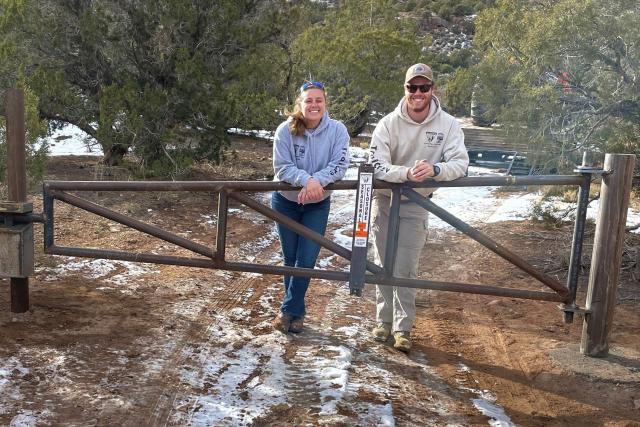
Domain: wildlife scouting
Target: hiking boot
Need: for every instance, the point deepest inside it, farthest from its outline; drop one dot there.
(381, 332)
(283, 322)
(296, 325)
(402, 341)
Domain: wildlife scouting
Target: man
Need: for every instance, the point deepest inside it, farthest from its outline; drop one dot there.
(417, 141)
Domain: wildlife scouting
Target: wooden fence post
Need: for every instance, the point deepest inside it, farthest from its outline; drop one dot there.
(16, 180)
(607, 254)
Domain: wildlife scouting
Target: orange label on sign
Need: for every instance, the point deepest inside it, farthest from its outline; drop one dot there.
(361, 230)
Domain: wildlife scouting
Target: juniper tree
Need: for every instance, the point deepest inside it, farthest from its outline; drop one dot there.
(561, 74)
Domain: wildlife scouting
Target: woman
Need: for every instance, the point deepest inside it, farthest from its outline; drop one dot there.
(310, 150)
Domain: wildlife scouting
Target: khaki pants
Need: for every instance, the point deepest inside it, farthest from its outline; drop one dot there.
(397, 305)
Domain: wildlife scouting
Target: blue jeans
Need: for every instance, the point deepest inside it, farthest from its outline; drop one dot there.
(296, 250)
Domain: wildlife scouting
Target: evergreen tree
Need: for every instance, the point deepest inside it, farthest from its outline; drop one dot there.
(164, 78)
(562, 74)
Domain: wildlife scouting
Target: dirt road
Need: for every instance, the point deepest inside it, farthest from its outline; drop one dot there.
(116, 343)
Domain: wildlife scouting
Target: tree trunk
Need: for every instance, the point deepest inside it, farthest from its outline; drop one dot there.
(113, 155)
(357, 123)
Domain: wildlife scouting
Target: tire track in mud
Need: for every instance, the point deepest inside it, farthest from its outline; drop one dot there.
(242, 373)
(468, 328)
(196, 342)
(207, 337)
(368, 383)
(176, 359)
(238, 371)
(498, 349)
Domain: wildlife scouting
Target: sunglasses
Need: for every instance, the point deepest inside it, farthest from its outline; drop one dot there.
(308, 85)
(414, 88)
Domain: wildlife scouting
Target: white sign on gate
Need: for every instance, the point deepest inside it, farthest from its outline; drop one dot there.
(363, 210)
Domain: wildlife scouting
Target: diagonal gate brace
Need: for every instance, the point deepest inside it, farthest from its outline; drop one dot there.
(487, 242)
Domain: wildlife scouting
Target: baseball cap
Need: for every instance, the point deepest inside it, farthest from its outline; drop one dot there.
(419, 70)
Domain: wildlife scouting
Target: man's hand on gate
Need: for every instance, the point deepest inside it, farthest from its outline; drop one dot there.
(420, 171)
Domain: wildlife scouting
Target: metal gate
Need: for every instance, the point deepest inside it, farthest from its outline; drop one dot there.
(374, 274)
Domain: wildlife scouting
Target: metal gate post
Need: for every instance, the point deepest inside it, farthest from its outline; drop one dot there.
(17, 183)
(393, 229)
(607, 254)
(575, 262)
(361, 224)
(221, 232)
(47, 206)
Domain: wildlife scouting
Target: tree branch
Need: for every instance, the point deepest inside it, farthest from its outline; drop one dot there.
(81, 124)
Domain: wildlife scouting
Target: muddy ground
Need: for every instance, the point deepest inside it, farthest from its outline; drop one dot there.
(170, 345)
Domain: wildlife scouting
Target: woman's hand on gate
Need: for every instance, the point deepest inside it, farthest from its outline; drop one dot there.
(312, 192)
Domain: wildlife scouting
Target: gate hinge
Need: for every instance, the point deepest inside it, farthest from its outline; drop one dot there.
(573, 308)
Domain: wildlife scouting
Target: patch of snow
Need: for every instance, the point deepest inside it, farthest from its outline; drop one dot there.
(9, 369)
(463, 368)
(261, 133)
(358, 155)
(27, 418)
(209, 220)
(242, 385)
(71, 141)
(239, 313)
(496, 413)
(99, 269)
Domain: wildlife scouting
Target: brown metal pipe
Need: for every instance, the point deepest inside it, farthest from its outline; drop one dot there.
(218, 186)
(196, 262)
(131, 256)
(304, 272)
(300, 229)
(466, 288)
(493, 181)
(281, 270)
(133, 223)
(487, 242)
(221, 231)
(27, 218)
(209, 186)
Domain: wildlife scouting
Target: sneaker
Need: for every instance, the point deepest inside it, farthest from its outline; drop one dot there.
(402, 341)
(296, 325)
(283, 322)
(381, 332)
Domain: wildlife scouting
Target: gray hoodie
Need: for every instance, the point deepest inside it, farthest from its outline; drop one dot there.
(398, 141)
(321, 153)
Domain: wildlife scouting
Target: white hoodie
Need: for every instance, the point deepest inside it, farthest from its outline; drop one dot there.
(398, 141)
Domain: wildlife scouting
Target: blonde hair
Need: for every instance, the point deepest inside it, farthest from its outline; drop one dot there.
(296, 119)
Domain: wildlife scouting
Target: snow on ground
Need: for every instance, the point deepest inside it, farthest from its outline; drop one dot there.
(120, 274)
(263, 134)
(71, 141)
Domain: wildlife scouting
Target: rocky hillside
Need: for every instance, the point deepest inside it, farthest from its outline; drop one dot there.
(448, 35)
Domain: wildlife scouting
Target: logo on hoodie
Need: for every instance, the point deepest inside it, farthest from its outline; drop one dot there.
(434, 139)
(300, 151)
